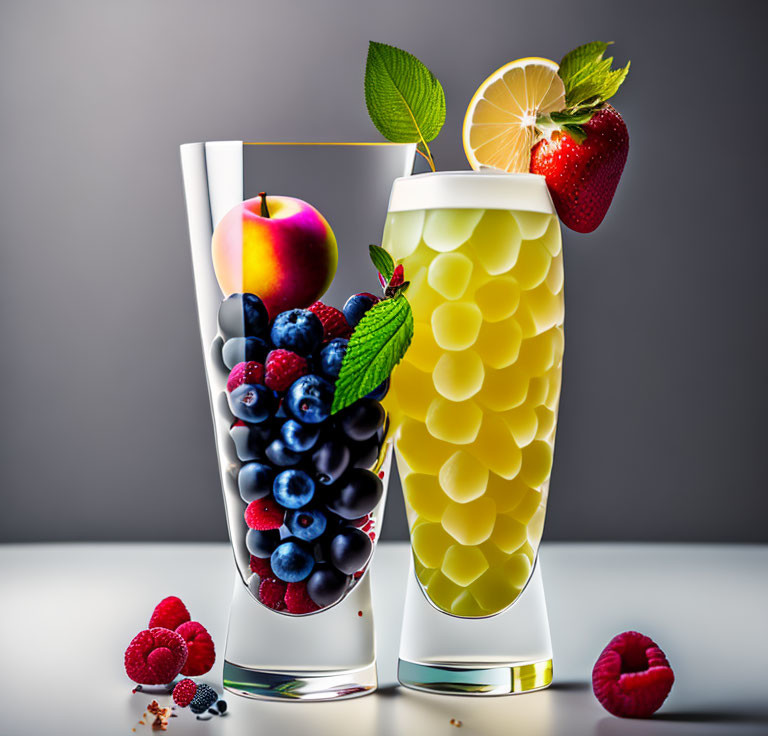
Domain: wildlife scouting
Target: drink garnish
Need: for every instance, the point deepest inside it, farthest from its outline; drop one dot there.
(379, 340)
(405, 100)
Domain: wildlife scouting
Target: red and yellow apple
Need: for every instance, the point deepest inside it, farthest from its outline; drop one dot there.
(280, 248)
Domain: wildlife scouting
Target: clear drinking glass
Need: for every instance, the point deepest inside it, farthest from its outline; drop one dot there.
(473, 408)
(275, 654)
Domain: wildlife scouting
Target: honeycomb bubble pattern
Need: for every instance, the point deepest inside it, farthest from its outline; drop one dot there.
(474, 402)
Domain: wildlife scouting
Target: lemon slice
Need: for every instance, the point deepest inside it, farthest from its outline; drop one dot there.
(499, 127)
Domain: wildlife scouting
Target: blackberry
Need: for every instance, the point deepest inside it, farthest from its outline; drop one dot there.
(204, 698)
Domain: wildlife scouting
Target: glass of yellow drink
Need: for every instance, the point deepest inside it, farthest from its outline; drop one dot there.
(474, 409)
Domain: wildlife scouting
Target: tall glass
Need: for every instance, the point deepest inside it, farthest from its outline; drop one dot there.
(474, 408)
(279, 648)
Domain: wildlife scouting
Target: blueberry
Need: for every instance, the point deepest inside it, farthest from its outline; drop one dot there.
(251, 402)
(357, 494)
(242, 349)
(306, 524)
(350, 550)
(363, 419)
(291, 562)
(366, 453)
(254, 480)
(309, 399)
(298, 330)
(262, 544)
(298, 437)
(378, 393)
(243, 315)
(293, 489)
(249, 439)
(331, 356)
(326, 585)
(279, 454)
(330, 460)
(357, 306)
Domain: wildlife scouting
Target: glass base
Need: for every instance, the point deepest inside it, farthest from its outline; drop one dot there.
(266, 685)
(496, 680)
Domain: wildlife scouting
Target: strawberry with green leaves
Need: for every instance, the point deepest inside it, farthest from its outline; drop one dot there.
(583, 148)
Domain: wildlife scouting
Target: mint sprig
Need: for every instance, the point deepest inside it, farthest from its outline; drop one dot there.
(376, 346)
(589, 81)
(588, 78)
(405, 100)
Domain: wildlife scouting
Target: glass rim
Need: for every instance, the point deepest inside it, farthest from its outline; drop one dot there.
(487, 189)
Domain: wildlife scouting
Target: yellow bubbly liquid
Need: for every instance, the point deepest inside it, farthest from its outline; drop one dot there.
(474, 401)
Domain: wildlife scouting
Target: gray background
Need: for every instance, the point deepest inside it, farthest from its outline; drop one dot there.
(105, 427)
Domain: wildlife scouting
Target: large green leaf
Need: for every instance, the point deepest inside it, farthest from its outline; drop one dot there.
(405, 100)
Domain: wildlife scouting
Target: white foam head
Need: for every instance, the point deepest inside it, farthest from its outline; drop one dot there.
(471, 190)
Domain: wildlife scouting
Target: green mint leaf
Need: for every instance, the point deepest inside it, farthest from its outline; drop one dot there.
(587, 76)
(382, 261)
(376, 346)
(589, 82)
(580, 57)
(613, 82)
(405, 100)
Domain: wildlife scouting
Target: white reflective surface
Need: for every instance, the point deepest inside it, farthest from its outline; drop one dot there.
(69, 611)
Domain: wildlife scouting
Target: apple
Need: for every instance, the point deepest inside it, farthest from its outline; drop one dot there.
(280, 248)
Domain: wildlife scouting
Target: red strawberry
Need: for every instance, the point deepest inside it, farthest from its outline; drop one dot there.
(334, 322)
(155, 656)
(582, 177)
(201, 652)
(264, 514)
(283, 367)
(169, 613)
(250, 372)
(632, 677)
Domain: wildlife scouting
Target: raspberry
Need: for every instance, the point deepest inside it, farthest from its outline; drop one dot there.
(632, 677)
(261, 566)
(184, 692)
(155, 656)
(169, 613)
(297, 599)
(334, 322)
(283, 367)
(201, 652)
(362, 521)
(398, 276)
(204, 698)
(264, 514)
(250, 372)
(272, 593)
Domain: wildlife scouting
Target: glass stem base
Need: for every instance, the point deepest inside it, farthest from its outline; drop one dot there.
(266, 685)
(509, 652)
(502, 680)
(326, 655)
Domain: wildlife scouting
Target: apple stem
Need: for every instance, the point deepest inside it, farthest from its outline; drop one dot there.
(264, 210)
